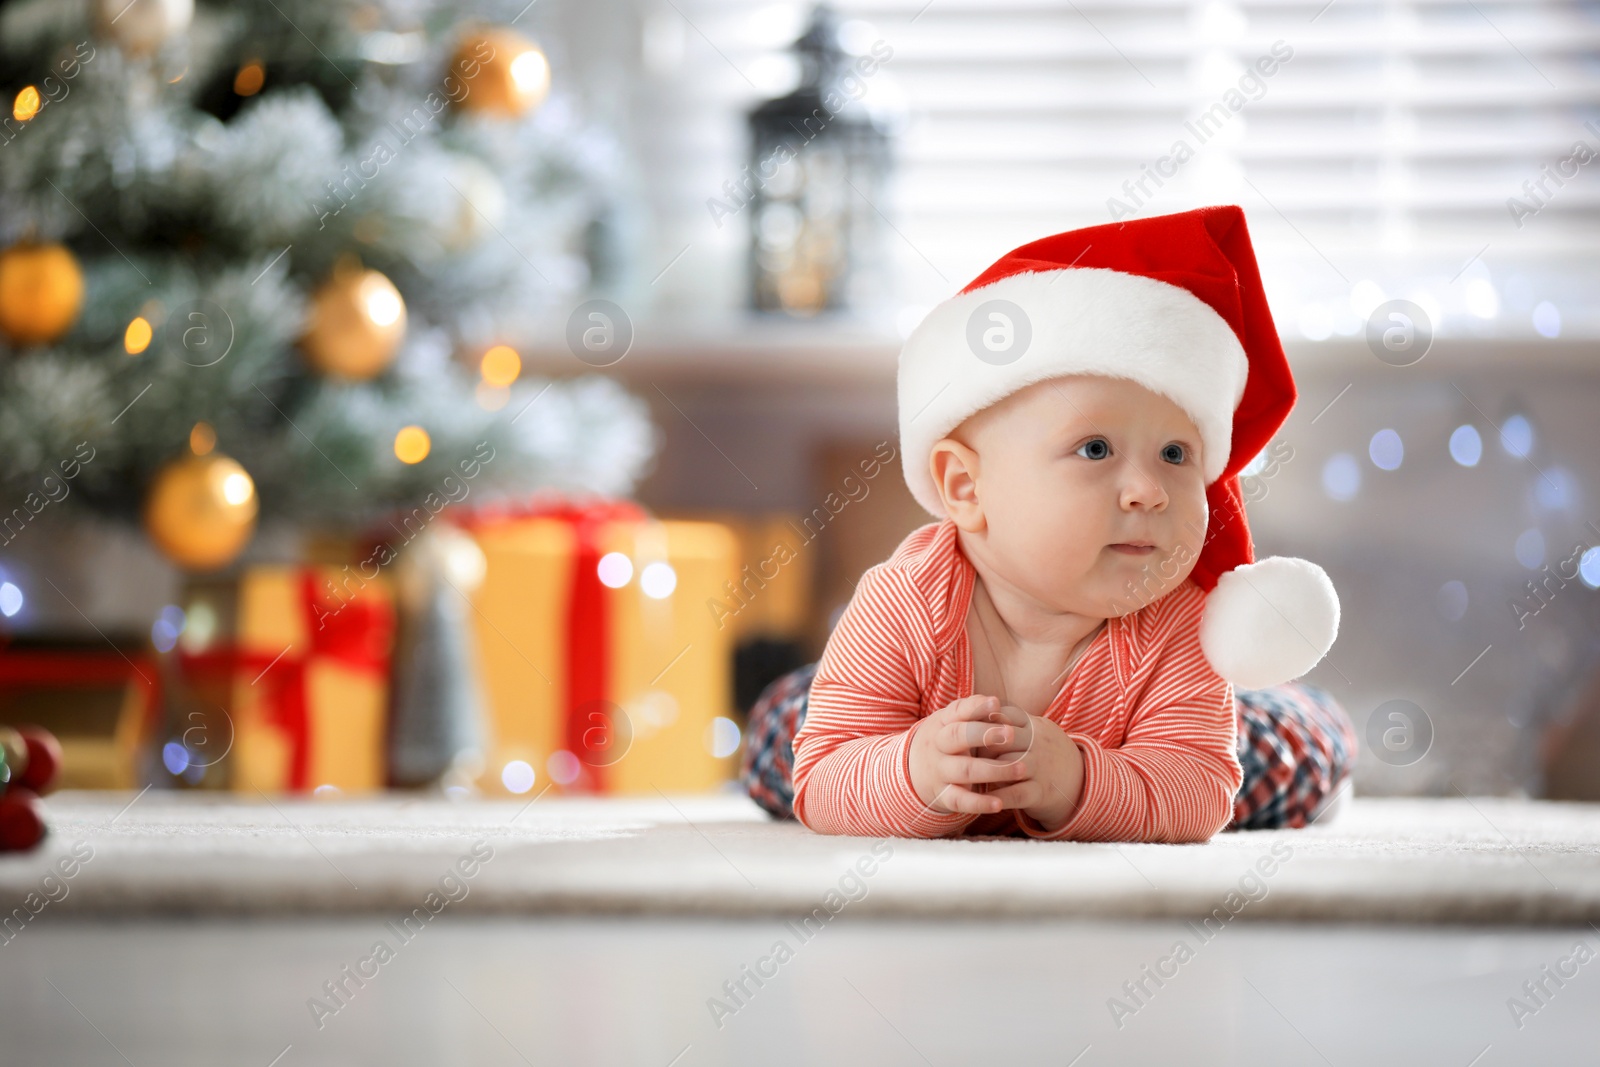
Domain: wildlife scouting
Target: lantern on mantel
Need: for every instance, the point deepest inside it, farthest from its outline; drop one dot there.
(819, 164)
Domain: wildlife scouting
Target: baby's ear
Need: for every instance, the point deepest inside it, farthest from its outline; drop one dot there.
(954, 467)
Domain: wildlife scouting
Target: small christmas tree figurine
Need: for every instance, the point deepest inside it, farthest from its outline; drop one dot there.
(300, 224)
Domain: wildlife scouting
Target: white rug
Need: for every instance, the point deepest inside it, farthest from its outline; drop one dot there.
(1389, 860)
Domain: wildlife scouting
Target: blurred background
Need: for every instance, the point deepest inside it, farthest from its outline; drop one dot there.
(494, 397)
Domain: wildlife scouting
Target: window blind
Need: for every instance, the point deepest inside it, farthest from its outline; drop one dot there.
(1445, 151)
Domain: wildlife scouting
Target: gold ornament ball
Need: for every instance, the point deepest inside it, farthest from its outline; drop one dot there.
(141, 27)
(505, 73)
(41, 290)
(357, 322)
(201, 511)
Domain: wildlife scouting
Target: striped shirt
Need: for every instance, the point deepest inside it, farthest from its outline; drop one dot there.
(1154, 723)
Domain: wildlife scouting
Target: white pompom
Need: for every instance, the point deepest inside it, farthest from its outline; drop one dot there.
(1269, 622)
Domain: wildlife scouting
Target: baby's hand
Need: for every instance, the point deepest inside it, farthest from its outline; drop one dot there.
(1052, 777)
(943, 767)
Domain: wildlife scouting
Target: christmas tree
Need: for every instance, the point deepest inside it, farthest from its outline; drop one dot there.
(286, 252)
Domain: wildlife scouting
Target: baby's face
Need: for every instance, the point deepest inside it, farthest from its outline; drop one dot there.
(1083, 485)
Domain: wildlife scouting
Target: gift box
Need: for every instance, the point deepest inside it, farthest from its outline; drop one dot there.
(298, 657)
(605, 666)
(97, 698)
(771, 596)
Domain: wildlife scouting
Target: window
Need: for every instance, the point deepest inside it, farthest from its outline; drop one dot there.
(1447, 151)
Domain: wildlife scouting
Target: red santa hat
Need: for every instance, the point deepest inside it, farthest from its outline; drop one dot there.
(1174, 303)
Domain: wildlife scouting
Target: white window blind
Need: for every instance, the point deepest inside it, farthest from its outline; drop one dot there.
(1374, 145)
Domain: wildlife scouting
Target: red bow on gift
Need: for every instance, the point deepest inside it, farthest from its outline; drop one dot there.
(355, 633)
(588, 634)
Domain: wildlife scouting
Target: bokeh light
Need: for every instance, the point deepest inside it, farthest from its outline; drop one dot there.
(500, 365)
(136, 338)
(658, 580)
(1466, 446)
(1341, 477)
(1516, 436)
(27, 104)
(563, 767)
(1589, 567)
(1530, 548)
(412, 444)
(722, 737)
(518, 776)
(1386, 450)
(1547, 319)
(615, 569)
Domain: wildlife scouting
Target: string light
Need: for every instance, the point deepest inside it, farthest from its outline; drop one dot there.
(412, 444)
(137, 336)
(27, 104)
(250, 78)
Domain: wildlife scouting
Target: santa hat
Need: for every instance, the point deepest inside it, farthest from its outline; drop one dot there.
(1175, 304)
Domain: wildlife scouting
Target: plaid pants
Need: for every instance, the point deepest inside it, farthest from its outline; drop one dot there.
(1296, 745)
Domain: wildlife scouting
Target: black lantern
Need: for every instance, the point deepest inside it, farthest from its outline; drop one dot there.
(818, 167)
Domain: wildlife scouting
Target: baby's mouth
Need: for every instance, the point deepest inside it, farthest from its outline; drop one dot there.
(1134, 548)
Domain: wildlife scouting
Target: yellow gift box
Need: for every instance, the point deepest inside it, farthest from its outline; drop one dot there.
(306, 664)
(655, 715)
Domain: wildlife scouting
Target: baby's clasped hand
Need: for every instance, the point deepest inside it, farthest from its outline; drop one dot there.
(1030, 761)
(1052, 780)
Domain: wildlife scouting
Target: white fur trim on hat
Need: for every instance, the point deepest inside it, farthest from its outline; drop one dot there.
(1269, 622)
(1081, 320)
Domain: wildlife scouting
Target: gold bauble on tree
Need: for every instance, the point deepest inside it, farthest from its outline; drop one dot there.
(505, 73)
(41, 290)
(201, 508)
(141, 27)
(357, 322)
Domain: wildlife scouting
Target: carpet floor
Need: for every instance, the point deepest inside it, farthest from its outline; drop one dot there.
(1463, 860)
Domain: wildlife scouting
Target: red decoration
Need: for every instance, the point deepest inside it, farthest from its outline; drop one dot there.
(44, 760)
(21, 819)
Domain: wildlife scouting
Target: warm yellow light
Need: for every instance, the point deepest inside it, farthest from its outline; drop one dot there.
(531, 73)
(202, 439)
(137, 336)
(500, 365)
(492, 397)
(250, 78)
(237, 488)
(411, 444)
(381, 299)
(26, 105)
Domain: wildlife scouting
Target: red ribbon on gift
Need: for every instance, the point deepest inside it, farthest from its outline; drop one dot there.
(356, 633)
(588, 633)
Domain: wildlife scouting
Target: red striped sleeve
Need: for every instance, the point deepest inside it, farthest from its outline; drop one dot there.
(852, 769)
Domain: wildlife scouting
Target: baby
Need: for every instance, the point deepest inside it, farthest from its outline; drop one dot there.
(1058, 655)
(1061, 494)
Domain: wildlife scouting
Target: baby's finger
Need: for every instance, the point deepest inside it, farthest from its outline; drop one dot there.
(960, 738)
(1025, 794)
(972, 708)
(1007, 739)
(1009, 713)
(971, 769)
(958, 799)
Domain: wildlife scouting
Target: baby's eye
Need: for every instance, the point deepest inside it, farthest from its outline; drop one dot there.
(1097, 448)
(1173, 453)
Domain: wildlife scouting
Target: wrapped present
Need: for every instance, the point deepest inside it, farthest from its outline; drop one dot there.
(299, 656)
(605, 668)
(770, 597)
(98, 700)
